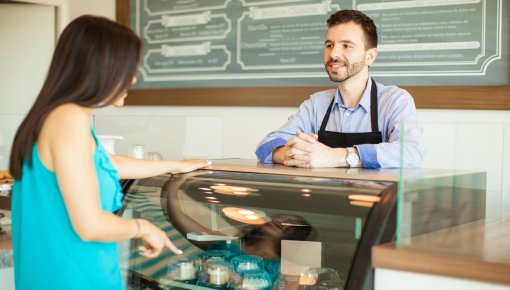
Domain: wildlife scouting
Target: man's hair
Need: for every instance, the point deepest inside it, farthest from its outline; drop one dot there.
(358, 17)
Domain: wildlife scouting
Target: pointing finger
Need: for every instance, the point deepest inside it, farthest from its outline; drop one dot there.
(172, 247)
(146, 252)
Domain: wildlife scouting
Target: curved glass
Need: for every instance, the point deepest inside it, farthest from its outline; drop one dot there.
(259, 231)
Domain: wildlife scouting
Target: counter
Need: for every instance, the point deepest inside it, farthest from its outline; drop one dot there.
(6, 255)
(344, 211)
(391, 175)
(340, 214)
(6, 259)
(477, 251)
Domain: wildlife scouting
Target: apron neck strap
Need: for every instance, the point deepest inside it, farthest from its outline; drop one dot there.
(374, 113)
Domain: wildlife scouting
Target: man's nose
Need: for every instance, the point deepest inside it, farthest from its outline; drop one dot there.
(336, 51)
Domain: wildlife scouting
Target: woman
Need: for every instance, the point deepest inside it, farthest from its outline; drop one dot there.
(66, 186)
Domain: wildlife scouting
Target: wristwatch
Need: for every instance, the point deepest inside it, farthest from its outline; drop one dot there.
(352, 157)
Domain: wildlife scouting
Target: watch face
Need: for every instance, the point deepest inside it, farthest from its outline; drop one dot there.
(352, 159)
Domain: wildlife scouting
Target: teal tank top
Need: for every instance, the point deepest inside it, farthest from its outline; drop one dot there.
(48, 253)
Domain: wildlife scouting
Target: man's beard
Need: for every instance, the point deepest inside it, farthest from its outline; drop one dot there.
(344, 74)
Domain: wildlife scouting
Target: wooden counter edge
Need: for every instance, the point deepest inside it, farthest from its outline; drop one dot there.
(5, 202)
(6, 241)
(420, 261)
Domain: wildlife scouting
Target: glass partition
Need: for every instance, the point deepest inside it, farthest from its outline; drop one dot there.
(463, 197)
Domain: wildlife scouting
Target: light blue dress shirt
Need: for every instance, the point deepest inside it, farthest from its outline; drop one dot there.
(398, 123)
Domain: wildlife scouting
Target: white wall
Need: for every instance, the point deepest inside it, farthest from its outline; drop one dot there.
(24, 61)
(456, 139)
(27, 37)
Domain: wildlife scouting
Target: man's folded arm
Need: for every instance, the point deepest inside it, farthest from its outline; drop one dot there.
(265, 150)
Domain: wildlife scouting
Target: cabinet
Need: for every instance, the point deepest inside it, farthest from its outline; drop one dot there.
(247, 226)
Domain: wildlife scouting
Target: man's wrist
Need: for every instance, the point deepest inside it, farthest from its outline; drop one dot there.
(360, 162)
(353, 158)
(277, 155)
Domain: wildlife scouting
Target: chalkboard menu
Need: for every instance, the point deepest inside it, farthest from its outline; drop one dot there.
(246, 42)
(279, 43)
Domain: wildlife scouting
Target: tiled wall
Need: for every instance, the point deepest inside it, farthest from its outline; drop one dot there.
(461, 140)
(480, 144)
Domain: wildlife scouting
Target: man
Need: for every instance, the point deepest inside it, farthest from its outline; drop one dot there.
(340, 127)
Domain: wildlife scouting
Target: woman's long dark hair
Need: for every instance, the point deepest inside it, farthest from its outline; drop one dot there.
(94, 62)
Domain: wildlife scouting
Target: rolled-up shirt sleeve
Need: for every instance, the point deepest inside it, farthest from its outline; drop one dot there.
(397, 120)
(300, 121)
(264, 151)
(368, 156)
(401, 128)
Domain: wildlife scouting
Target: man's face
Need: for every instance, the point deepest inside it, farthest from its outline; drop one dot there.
(345, 53)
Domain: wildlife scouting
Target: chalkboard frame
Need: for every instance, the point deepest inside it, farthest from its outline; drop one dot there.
(425, 97)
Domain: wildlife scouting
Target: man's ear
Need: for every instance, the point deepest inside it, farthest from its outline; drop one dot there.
(371, 56)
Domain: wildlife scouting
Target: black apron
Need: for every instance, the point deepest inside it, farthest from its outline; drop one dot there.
(343, 140)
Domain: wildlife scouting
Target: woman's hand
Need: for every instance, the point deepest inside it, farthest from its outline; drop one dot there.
(154, 240)
(190, 165)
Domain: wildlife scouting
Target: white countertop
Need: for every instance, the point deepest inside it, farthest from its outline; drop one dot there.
(252, 165)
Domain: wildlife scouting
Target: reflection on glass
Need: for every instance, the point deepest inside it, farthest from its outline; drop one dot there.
(363, 200)
(260, 235)
(361, 203)
(274, 211)
(362, 197)
(245, 216)
(321, 278)
(232, 190)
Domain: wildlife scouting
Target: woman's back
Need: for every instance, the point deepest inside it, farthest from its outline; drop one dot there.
(66, 188)
(48, 253)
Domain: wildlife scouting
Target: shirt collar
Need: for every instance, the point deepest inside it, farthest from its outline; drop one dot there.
(365, 98)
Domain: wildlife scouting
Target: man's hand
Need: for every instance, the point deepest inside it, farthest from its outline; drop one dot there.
(283, 153)
(305, 150)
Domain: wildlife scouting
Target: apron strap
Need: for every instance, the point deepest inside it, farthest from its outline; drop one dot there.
(374, 113)
(326, 116)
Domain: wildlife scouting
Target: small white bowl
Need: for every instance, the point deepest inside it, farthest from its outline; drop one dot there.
(108, 142)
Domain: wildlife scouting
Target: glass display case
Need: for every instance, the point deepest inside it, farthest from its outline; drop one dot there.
(274, 227)
(242, 230)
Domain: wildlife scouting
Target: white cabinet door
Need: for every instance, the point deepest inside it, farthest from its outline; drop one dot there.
(27, 40)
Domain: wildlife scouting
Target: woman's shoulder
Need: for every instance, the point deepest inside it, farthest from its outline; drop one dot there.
(67, 120)
(67, 128)
(70, 110)
(69, 115)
